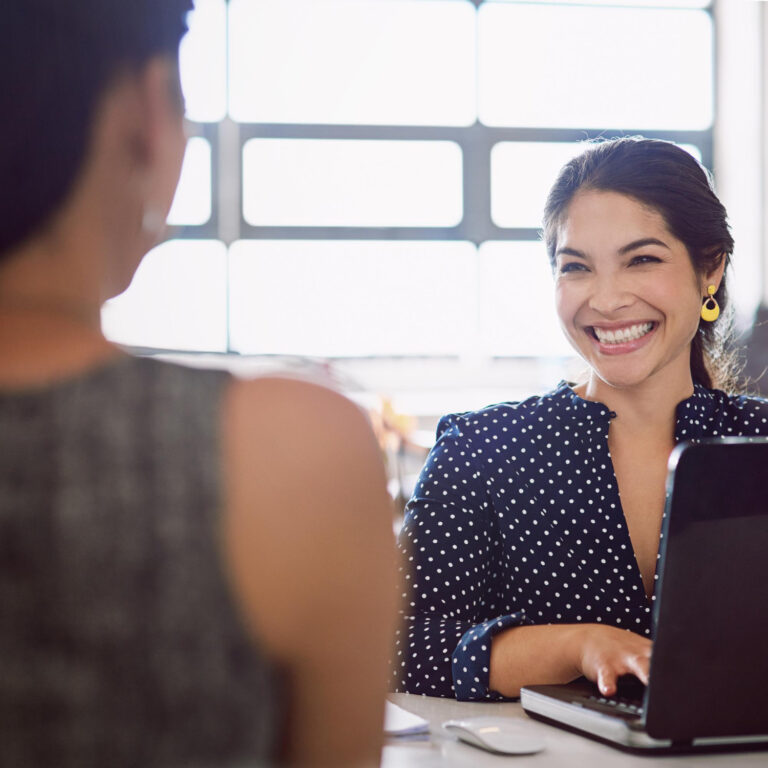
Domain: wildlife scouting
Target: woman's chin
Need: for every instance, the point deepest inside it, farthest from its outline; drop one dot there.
(620, 371)
(620, 377)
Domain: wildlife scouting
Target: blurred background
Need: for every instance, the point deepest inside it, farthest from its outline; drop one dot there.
(363, 184)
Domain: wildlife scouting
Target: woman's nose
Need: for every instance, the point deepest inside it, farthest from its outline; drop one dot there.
(608, 295)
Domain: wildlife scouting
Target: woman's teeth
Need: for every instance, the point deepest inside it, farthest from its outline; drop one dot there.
(622, 335)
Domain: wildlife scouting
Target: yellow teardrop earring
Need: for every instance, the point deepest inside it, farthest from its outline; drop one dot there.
(710, 309)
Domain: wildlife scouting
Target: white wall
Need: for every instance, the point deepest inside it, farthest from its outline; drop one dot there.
(740, 165)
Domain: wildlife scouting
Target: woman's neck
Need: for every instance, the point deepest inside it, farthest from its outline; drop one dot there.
(56, 274)
(20, 309)
(650, 406)
(50, 316)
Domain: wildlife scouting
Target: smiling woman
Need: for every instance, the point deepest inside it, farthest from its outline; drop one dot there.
(667, 196)
(628, 287)
(532, 537)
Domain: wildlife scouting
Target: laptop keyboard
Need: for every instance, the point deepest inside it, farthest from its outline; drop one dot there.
(614, 705)
(630, 706)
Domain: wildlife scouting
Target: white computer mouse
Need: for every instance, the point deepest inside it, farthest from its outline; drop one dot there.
(503, 735)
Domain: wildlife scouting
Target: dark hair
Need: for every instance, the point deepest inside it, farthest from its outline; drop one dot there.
(668, 179)
(58, 58)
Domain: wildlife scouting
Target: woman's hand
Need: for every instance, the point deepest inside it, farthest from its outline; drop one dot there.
(547, 654)
(606, 653)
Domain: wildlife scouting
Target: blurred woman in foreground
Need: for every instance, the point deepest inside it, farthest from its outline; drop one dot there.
(195, 570)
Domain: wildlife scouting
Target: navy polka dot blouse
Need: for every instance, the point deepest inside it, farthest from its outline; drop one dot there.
(516, 519)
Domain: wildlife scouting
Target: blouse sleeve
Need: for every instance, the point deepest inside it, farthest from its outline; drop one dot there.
(450, 545)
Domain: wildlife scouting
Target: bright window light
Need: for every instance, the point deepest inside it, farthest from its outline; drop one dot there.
(521, 175)
(352, 183)
(408, 81)
(517, 308)
(203, 62)
(595, 67)
(352, 298)
(192, 203)
(633, 3)
(381, 62)
(177, 300)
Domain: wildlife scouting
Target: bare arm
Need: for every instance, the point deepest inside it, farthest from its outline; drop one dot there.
(308, 531)
(559, 653)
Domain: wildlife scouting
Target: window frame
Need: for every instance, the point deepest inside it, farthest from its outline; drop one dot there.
(476, 141)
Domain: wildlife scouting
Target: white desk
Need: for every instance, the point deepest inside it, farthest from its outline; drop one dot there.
(563, 748)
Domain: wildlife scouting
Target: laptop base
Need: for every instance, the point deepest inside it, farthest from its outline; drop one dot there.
(626, 735)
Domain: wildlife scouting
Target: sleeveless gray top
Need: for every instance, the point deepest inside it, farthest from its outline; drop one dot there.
(120, 644)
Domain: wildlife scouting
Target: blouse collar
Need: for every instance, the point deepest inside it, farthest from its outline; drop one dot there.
(692, 414)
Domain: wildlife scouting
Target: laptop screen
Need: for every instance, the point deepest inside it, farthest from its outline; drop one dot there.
(709, 668)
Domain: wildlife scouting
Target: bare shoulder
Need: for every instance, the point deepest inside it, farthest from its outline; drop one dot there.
(289, 408)
(306, 502)
(283, 430)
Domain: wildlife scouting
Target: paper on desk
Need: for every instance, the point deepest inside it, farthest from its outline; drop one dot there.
(400, 722)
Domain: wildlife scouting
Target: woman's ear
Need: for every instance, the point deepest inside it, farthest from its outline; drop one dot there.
(141, 119)
(161, 141)
(135, 165)
(715, 275)
(161, 108)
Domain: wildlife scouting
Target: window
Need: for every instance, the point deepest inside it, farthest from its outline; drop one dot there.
(365, 178)
(595, 67)
(346, 62)
(351, 182)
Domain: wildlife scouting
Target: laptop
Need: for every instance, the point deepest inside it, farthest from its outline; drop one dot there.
(708, 684)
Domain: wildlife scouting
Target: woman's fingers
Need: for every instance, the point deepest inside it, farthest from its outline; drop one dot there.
(636, 664)
(606, 681)
(609, 652)
(639, 665)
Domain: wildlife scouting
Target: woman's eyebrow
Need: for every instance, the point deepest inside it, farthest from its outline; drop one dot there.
(570, 252)
(635, 244)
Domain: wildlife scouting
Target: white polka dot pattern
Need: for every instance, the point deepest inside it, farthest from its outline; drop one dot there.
(516, 519)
